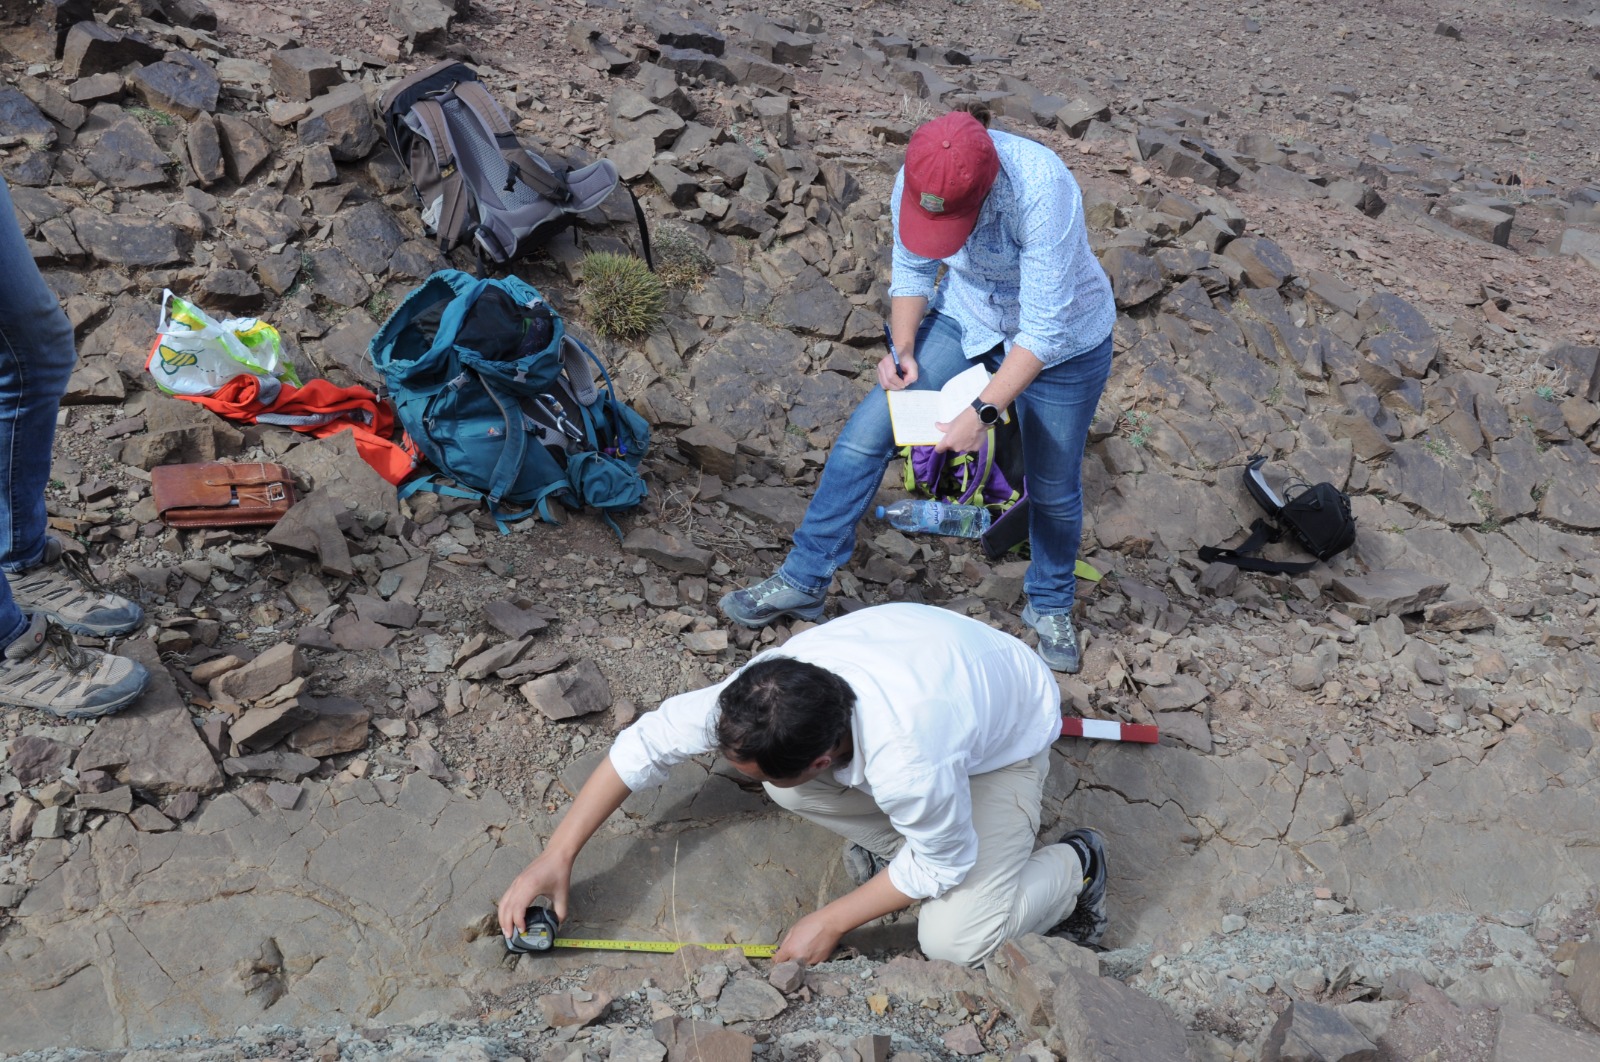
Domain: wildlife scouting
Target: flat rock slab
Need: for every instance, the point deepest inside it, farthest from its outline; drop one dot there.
(339, 909)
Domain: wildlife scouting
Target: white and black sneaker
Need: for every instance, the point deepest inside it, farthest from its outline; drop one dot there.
(45, 669)
(1088, 920)
(64, 590)
(860, 864)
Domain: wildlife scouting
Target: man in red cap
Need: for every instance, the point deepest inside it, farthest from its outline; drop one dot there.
(1023, 295)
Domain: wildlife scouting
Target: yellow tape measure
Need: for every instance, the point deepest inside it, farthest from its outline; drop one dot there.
(752, 951)
(540, 935)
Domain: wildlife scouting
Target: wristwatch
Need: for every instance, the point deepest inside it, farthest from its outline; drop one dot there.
(988, 414)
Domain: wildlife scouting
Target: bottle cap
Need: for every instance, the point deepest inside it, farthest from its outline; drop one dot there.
(880, 512)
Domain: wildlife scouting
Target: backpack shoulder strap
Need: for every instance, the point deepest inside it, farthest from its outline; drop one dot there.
(455, 198)
(1239, 556)
(521, 165)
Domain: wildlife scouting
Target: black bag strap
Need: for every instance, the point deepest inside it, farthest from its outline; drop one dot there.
(644, 229)
(1261, 533)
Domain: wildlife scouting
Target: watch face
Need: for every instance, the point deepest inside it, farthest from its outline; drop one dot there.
(988, 414)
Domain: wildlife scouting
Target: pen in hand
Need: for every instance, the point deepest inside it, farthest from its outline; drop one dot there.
(888, 339)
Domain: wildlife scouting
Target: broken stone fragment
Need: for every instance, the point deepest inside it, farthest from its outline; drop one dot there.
(182, 84)
(579, 690)
(342, 119)
(564, 1010)
(339, 725)
(273, 669)
(258, 729)
(668, 551)
(301, 74)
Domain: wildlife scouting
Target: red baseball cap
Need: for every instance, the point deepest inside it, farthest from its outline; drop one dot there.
(950, 166)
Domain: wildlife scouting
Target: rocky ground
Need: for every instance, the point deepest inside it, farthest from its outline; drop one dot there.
(1364, 240)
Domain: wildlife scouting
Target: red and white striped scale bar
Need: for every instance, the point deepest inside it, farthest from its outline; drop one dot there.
(1108, 730)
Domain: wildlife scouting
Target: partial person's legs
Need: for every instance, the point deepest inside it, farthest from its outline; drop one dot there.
(848, 812)
(40, 665)
(1056, 411)
(37, 356)
(1013, 889)
(850, 479)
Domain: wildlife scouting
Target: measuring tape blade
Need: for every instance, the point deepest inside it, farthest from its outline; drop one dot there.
(754, 951)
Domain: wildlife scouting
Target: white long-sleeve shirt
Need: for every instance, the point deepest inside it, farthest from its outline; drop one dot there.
(939, 698)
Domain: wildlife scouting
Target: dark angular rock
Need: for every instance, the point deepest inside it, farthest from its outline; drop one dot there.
(304, 73)
(675, 31)
(661, 87)
(44, 24)
(342, 119)
(369, 235)
(280, 764)
(231, 290)
(126, 240)
(340, 726)
(93, 48)
(1135, 277)
(1401, 331)
(336, 279)
(96, 89)
(693, 62)
(632, 115)
(54, 103)
(204, 145)
(1265, 264)
(126, 156)
(425, 23)
(245, 147)
(184, 85)
(22, 123)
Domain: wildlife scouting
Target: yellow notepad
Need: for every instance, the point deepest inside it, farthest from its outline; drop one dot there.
(914, 414)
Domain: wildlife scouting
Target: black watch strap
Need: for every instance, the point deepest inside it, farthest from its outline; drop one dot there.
(987, 414)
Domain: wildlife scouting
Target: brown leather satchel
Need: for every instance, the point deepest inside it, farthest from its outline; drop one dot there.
(217, 494)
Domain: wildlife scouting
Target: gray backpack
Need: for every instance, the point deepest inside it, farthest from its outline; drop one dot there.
(473, 178)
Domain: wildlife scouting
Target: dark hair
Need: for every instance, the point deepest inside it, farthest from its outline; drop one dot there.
(979, 110)
(781, 714)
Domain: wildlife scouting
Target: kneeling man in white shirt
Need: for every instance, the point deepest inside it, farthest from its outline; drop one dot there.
(919, 735)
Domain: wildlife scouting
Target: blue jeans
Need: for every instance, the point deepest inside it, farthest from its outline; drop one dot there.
(1055, 411)
(37, 356)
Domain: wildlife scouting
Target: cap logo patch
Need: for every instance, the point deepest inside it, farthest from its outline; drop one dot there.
(932, 204)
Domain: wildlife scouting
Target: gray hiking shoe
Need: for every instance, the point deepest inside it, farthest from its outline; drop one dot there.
(1058, 642)
(45, 669)
(1088, 920)
(63, 589)
(860, 864)
(759, 605)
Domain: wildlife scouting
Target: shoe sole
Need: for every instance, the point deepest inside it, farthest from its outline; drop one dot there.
(86, 630)
(813, 613)
(100, 711)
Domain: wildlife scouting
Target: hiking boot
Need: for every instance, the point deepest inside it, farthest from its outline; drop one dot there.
(759, 605)
(63, 589)
(45, 669)
(1058, 642)
(1088, 920)
(860, 864)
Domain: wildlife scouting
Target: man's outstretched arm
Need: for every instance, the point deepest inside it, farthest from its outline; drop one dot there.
(550, 874)
(813, 938)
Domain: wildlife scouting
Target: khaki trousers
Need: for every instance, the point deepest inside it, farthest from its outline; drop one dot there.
(1012, 890)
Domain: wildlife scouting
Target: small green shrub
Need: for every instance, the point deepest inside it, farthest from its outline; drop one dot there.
(621, 298)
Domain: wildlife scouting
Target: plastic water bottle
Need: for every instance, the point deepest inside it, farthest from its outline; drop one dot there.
(937, 518)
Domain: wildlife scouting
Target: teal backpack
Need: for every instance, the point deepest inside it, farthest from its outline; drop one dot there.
(503, 400)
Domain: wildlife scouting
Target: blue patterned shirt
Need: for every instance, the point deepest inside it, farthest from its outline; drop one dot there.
(1026, 274)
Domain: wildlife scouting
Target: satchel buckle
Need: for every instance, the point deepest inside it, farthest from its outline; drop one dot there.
(275, 492)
